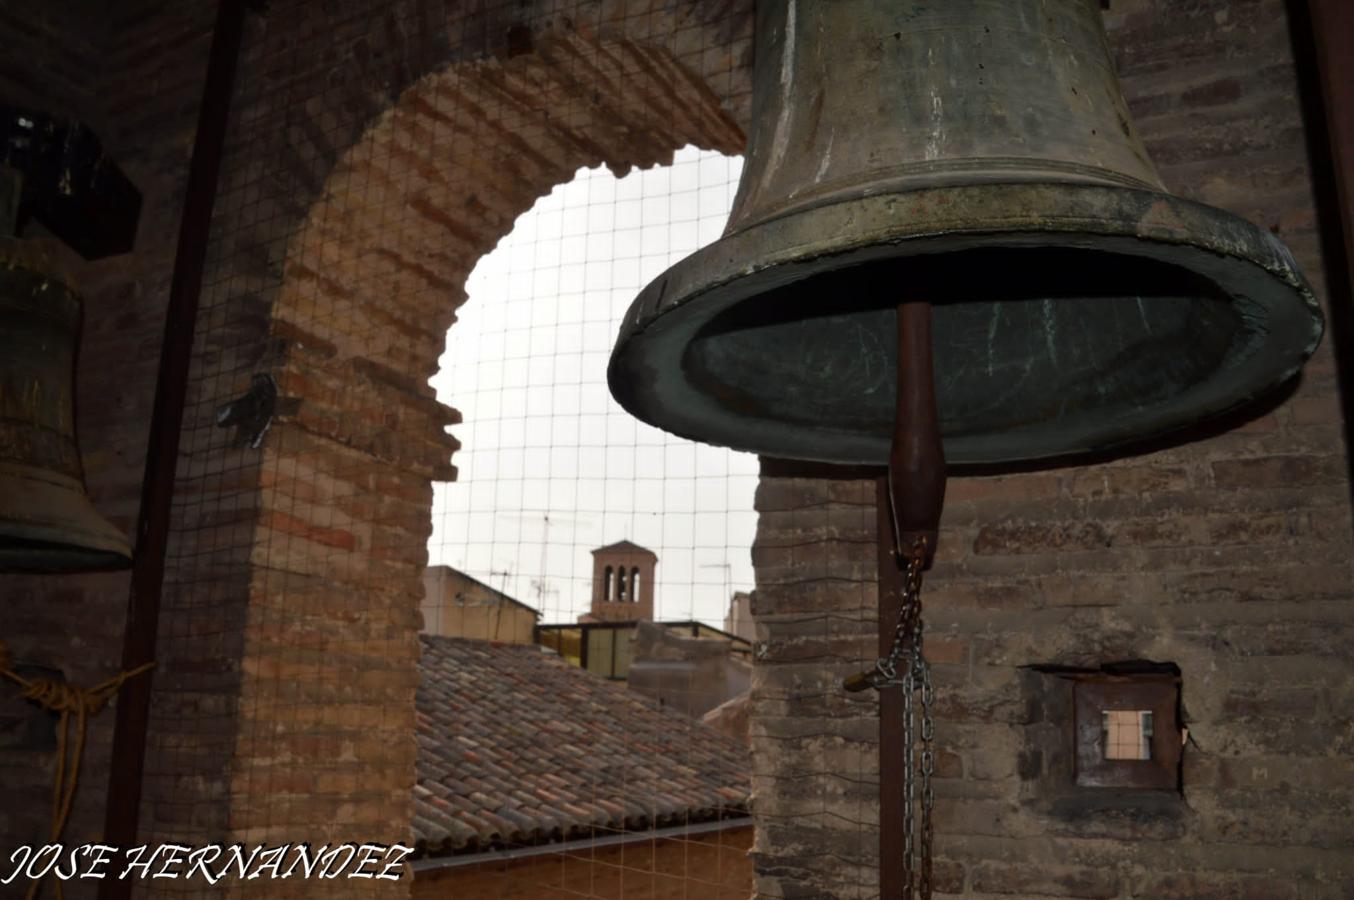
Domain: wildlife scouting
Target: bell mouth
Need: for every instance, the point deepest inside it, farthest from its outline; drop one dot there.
(55, 557)
(47, 524)
(1107, 319)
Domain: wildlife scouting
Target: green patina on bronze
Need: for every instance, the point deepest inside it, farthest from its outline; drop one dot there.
(980, 156)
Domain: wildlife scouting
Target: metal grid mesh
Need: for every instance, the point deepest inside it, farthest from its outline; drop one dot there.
(378, 155)
(551, 467)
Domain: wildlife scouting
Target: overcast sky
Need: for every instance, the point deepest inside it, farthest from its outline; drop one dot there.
(543, 439)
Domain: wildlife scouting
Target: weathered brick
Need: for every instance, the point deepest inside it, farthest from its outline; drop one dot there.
(1224, 90)
(1051, 880)
(1125, 480)
(1022, 537)
(1215, 886)
(1279, 471)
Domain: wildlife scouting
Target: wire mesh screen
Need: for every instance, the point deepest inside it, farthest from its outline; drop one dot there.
(432, 600)
(385, 620)
(551, 467)
(563, 510)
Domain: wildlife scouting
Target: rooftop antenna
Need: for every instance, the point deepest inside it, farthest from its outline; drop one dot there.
(505, 572)
(728, 577)
(547, 519)
(543, 588)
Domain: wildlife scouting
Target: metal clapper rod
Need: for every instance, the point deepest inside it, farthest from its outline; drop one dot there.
(912, 493)
(917, 459)
(909, 499)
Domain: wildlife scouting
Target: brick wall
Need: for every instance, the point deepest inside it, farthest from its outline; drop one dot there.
(1229, 556)
(375, 154)
(302, 562)
(622, 585)
(283, 693)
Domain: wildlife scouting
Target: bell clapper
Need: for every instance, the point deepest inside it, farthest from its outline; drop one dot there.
(910, 497)
(917, 459)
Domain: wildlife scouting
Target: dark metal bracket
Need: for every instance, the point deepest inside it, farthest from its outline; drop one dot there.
(68, 184)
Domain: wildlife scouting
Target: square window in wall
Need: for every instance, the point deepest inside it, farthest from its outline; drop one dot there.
(1128, 732)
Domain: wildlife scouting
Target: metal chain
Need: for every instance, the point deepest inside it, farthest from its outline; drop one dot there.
(885, 671)
(922, 673)
(909, 787)
(907, 650)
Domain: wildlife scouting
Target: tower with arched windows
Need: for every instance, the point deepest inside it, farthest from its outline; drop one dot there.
(622, 583)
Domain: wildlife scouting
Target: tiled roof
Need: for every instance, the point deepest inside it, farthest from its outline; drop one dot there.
(518, 747)
(626, 547)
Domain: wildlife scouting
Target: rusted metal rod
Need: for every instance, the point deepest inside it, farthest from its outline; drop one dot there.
(917, 458)
(122, 816)
(909, 500)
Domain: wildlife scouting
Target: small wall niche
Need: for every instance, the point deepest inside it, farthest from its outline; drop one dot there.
(1103, 747)
(1127, 730)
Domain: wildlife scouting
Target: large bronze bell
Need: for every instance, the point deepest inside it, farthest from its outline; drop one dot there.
(978, 155)
(52, 170)
(46, 521)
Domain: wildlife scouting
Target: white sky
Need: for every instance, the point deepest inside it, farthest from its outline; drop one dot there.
(526, 366)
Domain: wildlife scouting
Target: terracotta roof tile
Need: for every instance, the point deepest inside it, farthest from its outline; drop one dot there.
(626, 547)
(518, 747)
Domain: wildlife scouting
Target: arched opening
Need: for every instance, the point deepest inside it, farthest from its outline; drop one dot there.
(552, 468)
(606, 584)
(634, 584)
(373, 277)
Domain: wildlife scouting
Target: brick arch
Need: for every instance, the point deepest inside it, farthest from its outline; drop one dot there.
(372, 281)
(378, 268)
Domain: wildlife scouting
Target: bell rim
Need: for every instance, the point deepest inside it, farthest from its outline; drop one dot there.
(75, 537)
(898, 225)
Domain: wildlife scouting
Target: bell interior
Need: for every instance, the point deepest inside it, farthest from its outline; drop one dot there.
(1025, 339)
(25, 555)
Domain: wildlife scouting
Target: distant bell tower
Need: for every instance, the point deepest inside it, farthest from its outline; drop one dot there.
(622, 583)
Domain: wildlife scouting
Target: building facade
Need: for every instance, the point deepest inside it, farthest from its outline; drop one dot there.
(739, 619)
(457, 605)
(622, 584)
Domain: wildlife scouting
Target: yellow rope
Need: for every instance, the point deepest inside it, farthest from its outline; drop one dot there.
(64, 698)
